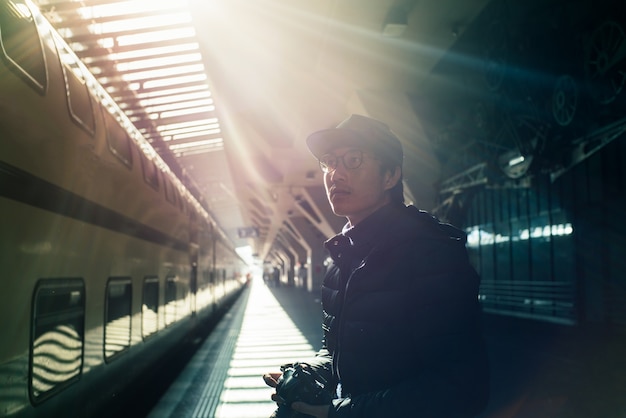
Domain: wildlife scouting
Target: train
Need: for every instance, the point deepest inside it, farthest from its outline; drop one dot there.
(109, 259)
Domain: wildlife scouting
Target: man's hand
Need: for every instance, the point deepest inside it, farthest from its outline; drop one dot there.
(271, 380)
(318, 411)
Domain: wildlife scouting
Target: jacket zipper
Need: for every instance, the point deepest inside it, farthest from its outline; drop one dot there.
(341, 318)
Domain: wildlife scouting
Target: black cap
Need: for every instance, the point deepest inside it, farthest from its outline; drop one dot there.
(358, 131)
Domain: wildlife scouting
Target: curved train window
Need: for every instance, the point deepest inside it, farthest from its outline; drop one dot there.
(183, 204)
(118, 306)
(78, 97)
(150, 306)
(21, 45)
(170, 191)
(118, 139)
(58, 336)
(150, 172)
(177, 194)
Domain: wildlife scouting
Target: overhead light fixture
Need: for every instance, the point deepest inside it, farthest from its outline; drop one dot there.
(516, 160)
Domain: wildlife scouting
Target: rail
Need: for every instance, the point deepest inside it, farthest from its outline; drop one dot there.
(551, 301)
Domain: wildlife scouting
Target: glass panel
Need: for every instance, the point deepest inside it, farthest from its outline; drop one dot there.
(78, 97)
(118, 139)
(150, 172)
(117, 319)
(20, 42)
(150, 307)
(170, 193)
(57, 336)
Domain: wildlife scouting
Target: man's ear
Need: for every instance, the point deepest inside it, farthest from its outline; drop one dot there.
(392, 177)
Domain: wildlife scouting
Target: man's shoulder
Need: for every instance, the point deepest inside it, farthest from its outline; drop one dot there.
(428, 225)
(411, 222)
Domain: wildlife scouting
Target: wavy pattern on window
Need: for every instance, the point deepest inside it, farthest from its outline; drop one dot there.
(57, 358)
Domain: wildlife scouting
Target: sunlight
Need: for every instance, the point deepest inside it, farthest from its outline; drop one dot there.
(207, 142)
(132, 30)
(156, 36)
(179, 105)
(141, 23)
(149, 52)
(192, 134)
(128, 7)
(245, 253)
(164, 72)
(183, 112)
(477, 237)
(164, 129)
(159, 62)
(175, 98)
(152, 84)
(213, 128)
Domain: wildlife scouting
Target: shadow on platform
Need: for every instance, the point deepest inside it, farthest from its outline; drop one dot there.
(305, 310)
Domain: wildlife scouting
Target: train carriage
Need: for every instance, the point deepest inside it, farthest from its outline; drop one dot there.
(109, 260)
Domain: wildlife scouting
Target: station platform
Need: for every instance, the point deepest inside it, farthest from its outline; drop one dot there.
(538, 370)
(266, 327)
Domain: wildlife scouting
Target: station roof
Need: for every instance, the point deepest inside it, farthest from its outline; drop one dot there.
(146, 54)
(226, 91)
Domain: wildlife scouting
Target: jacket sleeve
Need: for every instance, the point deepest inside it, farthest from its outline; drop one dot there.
(322, 363)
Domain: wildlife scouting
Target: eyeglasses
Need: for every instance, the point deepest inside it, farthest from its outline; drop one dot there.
(351, 160)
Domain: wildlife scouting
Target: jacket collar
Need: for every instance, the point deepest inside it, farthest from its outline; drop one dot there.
(358, 240)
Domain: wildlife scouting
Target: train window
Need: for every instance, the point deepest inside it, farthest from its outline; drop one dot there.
(150, 306)
(150, 172)
(170, 194)
(183, 207)
(78, 97)
(178, 198)
(118, 139)
(21, 45)
(118, 305)
(170, 300)
(57, 337)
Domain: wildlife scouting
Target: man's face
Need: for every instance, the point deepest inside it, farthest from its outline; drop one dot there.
(358, 192)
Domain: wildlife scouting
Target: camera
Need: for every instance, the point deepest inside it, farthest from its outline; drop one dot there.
(299, 382)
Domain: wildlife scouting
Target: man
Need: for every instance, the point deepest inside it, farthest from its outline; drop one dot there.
(401, 324)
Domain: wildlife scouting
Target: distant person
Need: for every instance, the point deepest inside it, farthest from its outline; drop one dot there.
(402, 334)
(276, 276)
(302, 273)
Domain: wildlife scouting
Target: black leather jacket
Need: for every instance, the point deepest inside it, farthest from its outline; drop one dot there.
(402, 320)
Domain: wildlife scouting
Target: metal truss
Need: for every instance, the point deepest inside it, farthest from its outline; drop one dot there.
(588, 145)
